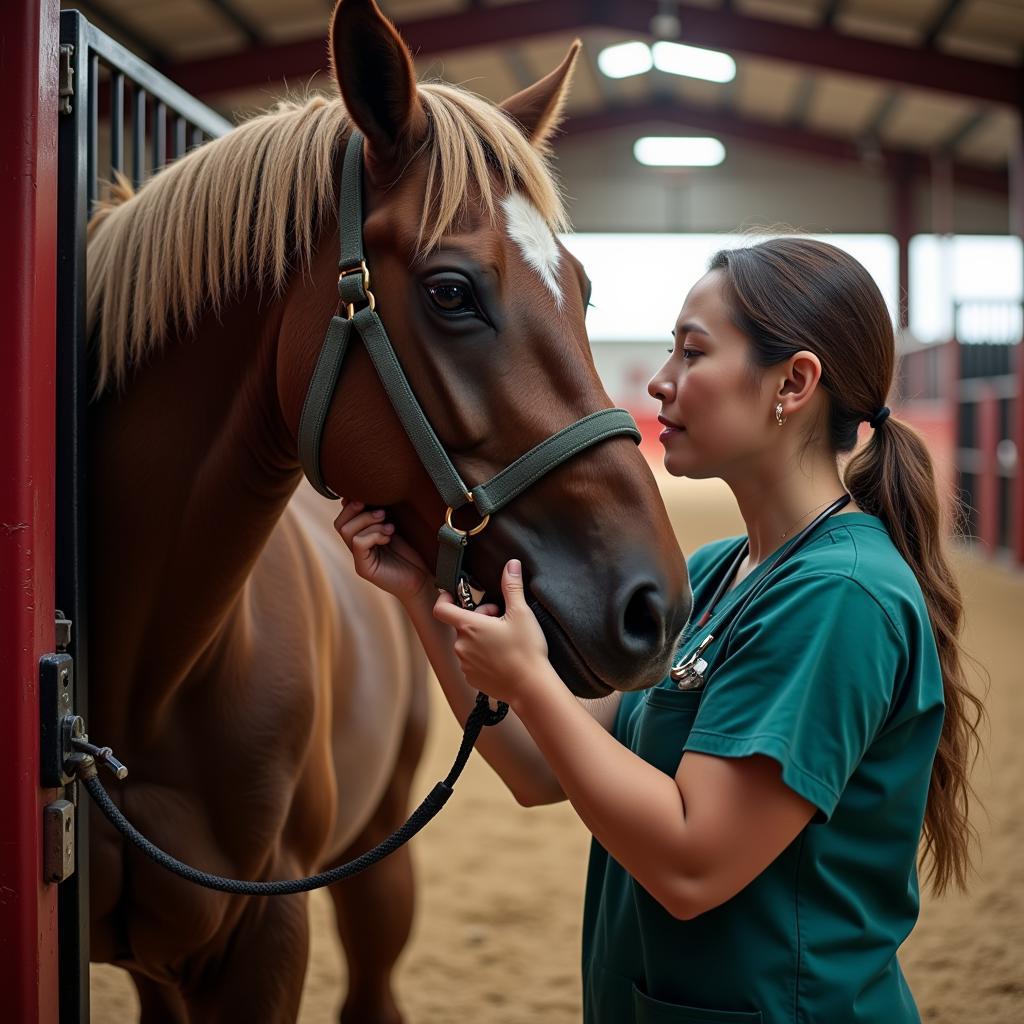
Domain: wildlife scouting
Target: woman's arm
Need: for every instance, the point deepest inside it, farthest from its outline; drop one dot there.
(692, 840)
(508, 748)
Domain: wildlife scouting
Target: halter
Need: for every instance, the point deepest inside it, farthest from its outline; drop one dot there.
(486, 498)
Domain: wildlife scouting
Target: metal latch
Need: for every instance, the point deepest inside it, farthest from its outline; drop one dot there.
(56, 709)
(66, 76)
(64, 751)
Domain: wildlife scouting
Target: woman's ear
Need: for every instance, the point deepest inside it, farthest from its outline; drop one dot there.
(377, 80)
(797, 387)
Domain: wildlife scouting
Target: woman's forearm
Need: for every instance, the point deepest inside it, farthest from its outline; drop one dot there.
(634, 810)
(508, 748)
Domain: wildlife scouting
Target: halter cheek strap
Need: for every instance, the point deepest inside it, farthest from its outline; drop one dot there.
(360, 315)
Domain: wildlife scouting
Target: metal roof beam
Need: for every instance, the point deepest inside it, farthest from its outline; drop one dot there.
(952, 142)
(882, 114)
(941, 23)
(241, 23)
(775, 135)
(716, 29)
(802, 100)
(126, 33)
(519, 68)
(827, 48)
(831, 12)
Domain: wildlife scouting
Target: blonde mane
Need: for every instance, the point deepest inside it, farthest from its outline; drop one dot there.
(249, 208)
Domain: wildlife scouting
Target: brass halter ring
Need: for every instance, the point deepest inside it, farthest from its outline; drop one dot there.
(465, 533)
(362, 268)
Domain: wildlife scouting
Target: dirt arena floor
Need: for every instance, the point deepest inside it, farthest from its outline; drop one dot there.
(496, 939)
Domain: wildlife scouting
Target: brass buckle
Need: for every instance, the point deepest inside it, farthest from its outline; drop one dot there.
(466, 533)
(361, 268)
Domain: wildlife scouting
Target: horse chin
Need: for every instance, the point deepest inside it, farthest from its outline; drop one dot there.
(566, 660)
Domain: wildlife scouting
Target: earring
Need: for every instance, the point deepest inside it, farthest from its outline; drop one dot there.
(779, 418)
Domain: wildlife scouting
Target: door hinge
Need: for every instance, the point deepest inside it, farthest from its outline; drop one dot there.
(67, 73)
(58, 841)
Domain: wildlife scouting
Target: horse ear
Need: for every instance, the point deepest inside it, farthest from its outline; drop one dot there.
(538, 108)
(375, 73)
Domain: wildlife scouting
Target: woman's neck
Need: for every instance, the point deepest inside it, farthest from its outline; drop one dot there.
(776, 506)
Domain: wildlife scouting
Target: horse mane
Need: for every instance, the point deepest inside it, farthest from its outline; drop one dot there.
(248, 209)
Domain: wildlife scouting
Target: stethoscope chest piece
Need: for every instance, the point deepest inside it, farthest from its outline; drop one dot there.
(689, 674)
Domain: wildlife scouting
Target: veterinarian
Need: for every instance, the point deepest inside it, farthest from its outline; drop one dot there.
(758, 817)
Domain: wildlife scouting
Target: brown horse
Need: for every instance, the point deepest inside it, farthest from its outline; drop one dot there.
(270, 705)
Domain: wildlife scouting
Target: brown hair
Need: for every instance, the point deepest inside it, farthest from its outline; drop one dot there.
(793, 294)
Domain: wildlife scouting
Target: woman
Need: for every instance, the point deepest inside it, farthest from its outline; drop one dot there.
(756, 834)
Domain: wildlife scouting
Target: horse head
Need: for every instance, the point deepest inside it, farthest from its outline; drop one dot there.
(485, 309)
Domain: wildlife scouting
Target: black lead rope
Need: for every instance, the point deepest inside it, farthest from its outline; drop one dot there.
(482, 715)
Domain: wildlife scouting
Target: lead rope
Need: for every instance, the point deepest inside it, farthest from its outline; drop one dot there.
(481, 716)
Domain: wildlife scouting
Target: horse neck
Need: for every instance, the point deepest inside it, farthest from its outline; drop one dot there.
(189, 471)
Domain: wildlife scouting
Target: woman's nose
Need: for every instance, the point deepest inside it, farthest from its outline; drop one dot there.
(659, 388)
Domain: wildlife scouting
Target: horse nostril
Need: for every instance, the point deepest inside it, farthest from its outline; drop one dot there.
(643, 621)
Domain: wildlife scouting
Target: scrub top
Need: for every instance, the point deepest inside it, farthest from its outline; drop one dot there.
(833, 672)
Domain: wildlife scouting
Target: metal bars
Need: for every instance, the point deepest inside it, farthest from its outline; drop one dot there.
(105, 76)
(135, 107)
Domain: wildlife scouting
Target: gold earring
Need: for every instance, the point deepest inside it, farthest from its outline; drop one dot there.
(779, 418)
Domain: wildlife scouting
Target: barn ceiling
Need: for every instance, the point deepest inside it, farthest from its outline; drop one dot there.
(908, 79)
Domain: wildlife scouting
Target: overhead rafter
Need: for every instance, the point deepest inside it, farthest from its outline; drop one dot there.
(718, 29)
(941, 23)
(831, 12)
(882, 114)
(238, 20)
(519, 68)
(825, 47)
(93, 10)
(778, 136)
(802, 100)
(970, 124)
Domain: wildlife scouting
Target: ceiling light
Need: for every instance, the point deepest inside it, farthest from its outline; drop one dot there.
(692, 61)
(678, 151)
(625, 60)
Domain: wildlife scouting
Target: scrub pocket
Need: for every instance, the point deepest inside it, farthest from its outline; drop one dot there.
(663, 726)
(648, 1010)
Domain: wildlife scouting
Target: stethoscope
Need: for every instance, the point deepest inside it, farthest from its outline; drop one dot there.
(689, 674)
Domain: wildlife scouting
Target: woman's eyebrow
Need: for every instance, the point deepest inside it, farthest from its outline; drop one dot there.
(690, 328)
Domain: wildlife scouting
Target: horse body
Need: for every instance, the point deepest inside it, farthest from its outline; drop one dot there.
(269, 704)
(244, 673)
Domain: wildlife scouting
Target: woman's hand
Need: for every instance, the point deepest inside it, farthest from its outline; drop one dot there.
(501, 656)
(380, 555)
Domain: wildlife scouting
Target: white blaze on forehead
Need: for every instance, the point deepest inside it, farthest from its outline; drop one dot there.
(527, 228)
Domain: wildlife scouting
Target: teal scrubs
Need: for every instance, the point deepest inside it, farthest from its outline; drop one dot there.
(832, 671)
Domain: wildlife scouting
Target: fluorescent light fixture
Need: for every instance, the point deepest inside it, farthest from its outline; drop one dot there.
(625, 60)
(692, 61)
(678, 151)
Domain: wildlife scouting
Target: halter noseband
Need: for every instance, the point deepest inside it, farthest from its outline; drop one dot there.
(486, 498)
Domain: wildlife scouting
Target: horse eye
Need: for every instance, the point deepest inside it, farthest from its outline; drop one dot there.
(451, 297)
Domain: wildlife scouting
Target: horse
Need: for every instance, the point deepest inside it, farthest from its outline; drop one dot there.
(272, 706)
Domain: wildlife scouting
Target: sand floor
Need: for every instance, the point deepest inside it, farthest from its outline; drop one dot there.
(496, 940)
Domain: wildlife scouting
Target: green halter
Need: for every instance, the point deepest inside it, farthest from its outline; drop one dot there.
(486, 498)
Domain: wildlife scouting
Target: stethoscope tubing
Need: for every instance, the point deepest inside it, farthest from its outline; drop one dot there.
(729, 623)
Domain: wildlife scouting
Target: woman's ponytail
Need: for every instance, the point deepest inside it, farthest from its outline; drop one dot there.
(892, 477)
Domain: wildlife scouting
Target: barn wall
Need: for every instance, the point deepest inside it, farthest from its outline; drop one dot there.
(756, 185)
